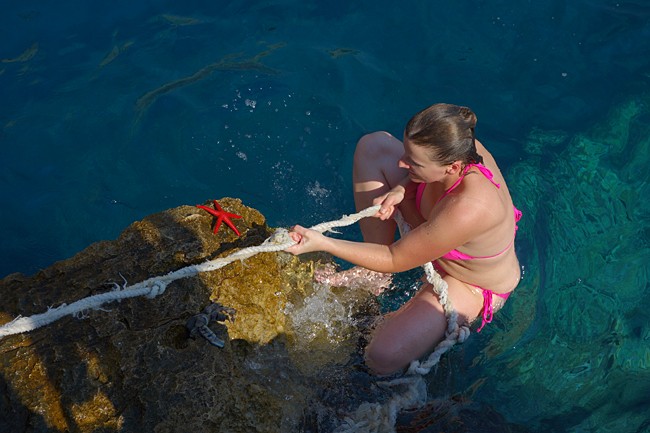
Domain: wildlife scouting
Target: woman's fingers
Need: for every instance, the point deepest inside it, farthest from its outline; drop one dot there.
(388, 202)
(295, 236)
(385, 210)
(301, 236)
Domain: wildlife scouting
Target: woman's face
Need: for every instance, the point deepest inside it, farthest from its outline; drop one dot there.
(419, 165)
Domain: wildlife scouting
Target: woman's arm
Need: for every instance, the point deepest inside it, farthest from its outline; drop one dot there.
(445, 231)
(372, 256)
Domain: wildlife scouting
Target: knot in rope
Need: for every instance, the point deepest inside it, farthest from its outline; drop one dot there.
(279, 237)
(157, 288)
(463, 334)
(416, 369)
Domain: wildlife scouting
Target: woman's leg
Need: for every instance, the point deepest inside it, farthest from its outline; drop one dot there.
(418, 326)
(374, 173)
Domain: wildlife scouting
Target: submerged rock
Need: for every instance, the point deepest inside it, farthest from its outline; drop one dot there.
(585, 337)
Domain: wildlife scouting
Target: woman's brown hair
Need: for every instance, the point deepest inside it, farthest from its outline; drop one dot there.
(448, 131)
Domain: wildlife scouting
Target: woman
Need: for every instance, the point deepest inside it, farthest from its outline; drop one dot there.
(450, 190)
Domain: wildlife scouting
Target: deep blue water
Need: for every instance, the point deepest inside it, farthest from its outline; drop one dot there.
(265, 101)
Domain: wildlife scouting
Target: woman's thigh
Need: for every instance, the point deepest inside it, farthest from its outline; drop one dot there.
(418, 326)
(374, 173)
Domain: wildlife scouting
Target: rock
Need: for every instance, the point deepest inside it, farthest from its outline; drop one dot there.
(131, 366)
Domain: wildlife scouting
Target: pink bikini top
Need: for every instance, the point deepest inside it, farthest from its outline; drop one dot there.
(455, 254)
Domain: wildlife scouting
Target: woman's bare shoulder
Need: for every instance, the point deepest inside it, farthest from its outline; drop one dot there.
(482, 150)
(489, 161)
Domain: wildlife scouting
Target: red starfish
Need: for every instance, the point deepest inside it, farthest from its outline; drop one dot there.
(221, 215)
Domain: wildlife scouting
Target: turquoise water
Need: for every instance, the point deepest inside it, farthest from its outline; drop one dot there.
(111, 112)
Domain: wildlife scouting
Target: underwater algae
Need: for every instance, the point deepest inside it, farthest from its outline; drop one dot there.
(26, 56)
(339, 52)
(116, 51)
(230, 62)
(177, 20)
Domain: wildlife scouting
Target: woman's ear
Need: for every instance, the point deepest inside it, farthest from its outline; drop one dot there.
(454, 167)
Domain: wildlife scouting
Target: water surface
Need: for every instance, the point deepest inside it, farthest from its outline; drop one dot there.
(111, 112)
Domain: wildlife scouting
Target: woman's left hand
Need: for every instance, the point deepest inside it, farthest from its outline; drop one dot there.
(307, 240)
(389, 203)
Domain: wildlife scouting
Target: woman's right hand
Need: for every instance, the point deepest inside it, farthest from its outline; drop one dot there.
(307, 240)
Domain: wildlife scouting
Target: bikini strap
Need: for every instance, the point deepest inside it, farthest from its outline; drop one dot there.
(488, 309)
(483, 169)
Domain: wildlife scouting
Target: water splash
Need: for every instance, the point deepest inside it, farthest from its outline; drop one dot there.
(323, 316)
(327, 325)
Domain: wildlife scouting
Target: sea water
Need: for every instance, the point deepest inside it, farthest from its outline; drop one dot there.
(114, 111)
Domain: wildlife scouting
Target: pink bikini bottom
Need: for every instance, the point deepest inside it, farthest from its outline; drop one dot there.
(488, 297)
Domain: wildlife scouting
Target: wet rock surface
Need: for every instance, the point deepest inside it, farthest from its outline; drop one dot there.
(132, 366)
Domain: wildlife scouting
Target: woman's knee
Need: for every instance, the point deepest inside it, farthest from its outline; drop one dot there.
(384, 360)
(407, 334)
(376, 144)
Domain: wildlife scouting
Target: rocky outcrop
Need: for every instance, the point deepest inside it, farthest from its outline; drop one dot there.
(132, 366)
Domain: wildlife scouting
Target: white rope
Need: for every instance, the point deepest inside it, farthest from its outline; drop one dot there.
(155, 286)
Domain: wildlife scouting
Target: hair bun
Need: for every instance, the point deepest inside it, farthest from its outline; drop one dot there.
(468, 115)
